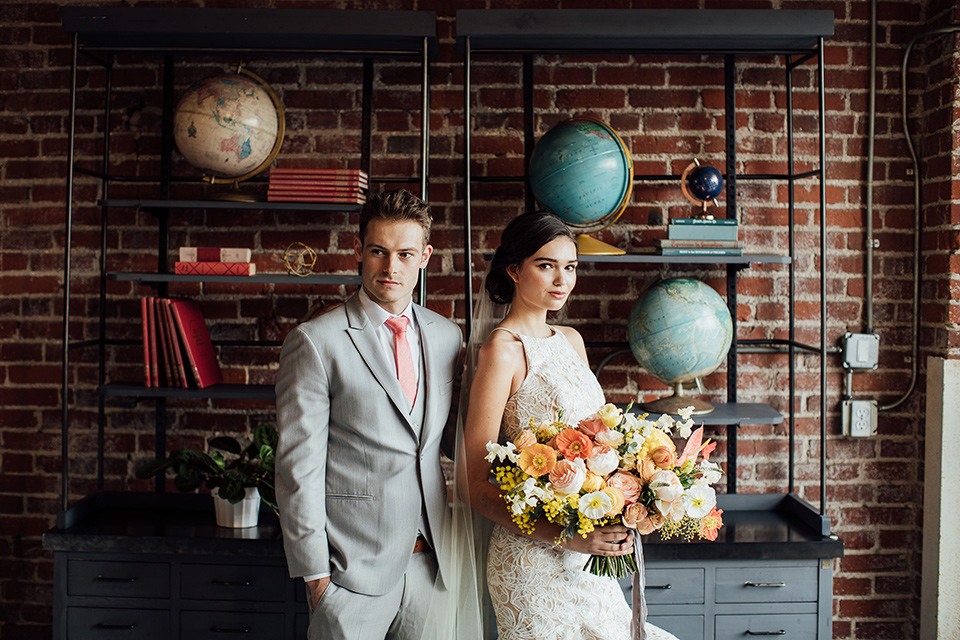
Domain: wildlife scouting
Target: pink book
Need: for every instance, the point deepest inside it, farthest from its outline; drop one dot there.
(196, 339)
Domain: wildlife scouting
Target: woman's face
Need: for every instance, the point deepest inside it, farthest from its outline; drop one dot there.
(545, 279)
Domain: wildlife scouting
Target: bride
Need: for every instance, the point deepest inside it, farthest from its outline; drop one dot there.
(528, 368)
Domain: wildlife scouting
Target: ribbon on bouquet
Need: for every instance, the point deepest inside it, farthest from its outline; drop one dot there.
(639, 618)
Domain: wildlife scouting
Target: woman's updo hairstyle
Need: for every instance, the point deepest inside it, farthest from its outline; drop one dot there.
(522, 238)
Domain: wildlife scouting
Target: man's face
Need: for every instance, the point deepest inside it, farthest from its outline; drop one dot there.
(390, 258)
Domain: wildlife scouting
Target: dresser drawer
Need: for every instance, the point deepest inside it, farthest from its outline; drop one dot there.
(118, 579)
(674, 586)
(217, 625)
(684, 627)
(767, 584)
(790, 626)
(90, 623)
(229, 582)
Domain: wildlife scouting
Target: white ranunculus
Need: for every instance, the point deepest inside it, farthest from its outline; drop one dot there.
(595, 505)
(603, 462)
(699, 501)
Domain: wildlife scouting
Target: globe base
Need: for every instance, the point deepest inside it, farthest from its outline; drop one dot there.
(589, 246)
(673, 404)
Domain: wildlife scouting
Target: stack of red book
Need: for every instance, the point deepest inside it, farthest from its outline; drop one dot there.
(340, 186)
(215, 261)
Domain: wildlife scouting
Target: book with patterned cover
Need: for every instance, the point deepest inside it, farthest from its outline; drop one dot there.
(215, 269)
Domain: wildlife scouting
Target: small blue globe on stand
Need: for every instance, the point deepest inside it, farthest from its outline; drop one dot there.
(701, 184)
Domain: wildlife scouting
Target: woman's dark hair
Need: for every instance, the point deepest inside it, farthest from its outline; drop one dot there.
(522, 238)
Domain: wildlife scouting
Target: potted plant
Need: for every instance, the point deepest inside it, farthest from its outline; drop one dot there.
(235, 480)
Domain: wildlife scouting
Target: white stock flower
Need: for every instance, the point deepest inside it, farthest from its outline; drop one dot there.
(699, 501)
(665, 422)
(685, 413)
(710, 473)
(595, 505)
(501, 452)
(686, 427)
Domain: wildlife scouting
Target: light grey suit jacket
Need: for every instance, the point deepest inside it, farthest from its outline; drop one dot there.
(353, 472)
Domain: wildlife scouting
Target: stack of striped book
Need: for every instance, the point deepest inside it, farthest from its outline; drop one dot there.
(339, 186)
(701, 237)
(215, 261)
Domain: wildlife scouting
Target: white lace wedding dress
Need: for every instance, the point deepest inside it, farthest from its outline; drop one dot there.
(539, 591)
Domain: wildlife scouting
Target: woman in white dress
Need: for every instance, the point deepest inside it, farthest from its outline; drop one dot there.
(527, 368)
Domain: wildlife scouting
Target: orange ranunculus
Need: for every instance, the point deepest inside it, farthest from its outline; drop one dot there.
(654, 440)
(524, 439)
(628, 484)
(616, 496)
(711, 523)
(537, 460)
(574, 444)
(664, 457)
(634, 514)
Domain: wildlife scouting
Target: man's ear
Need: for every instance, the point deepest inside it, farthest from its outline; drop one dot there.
(427, 252)
(358, 248)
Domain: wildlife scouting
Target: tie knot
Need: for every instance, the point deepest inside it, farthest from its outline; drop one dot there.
(398, 324)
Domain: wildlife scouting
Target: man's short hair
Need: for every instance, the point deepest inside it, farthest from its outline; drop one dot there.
(396, 205)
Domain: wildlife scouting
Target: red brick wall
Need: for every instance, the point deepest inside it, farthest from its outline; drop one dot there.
(667, 109)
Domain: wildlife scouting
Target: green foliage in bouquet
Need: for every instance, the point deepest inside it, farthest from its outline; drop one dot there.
(250, 466)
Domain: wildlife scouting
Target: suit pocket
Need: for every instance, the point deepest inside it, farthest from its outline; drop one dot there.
(349, 496)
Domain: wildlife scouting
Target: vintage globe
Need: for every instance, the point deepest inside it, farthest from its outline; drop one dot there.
(581, 171)
(229, 126)
(680, 330)
(705, 183)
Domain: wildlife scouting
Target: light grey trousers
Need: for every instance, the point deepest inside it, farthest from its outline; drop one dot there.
(342, 614)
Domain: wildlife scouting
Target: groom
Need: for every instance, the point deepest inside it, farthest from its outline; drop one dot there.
(363, 394)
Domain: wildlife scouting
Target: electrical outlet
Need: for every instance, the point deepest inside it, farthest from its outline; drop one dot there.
(859, 418)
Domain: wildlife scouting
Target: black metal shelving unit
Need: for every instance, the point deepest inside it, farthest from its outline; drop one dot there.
(169, 540)
(727, 35)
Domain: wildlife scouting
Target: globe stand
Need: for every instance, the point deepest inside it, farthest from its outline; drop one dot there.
(229, 196)
(590, 246)
(673, 404)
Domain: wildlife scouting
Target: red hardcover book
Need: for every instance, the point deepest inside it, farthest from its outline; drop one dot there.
(148, 381)
(152, 329)
(272, 197)
(200, 352)
(333, 183)
(278, 172)
(310, 191)
(215, 269)
(163, 345)
(175, 344)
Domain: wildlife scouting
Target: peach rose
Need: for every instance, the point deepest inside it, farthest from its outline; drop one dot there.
(666, 485)
(662, 457)
(628, 484)
(568, 476)
(616, 497)
(524, 439)
(634, 514)
(649, 524)
(609, 437)
(592, 425)
(592, 483)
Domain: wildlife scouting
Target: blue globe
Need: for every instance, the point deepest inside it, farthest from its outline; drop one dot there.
(582, 172)
(705, 183)
(680, 330)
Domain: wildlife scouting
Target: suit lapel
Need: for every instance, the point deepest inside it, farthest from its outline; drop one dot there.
(430, 370)
(364, 338)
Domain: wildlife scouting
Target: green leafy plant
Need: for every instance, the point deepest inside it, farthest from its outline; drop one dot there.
(250, 466)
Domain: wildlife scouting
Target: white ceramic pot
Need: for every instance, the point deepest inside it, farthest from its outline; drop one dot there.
(240, 515)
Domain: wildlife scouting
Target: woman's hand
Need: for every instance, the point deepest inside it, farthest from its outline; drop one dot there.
(611, 540)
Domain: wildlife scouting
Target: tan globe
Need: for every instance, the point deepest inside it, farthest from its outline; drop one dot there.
(229, 126)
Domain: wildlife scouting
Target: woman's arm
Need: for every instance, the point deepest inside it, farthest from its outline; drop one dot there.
(500, 369)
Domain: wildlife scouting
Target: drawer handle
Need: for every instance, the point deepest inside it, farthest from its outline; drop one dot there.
(223, 630)
(764, 585)
(228, 583)
(125, 627)
(781, 632)
(109, 579)
(659, 586)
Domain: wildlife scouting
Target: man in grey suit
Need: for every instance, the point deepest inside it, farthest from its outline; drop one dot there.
(361, 408)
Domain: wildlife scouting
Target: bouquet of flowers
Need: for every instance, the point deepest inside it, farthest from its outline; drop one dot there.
(612, 467)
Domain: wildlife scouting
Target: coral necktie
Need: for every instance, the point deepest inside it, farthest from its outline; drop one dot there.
(401, 348)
